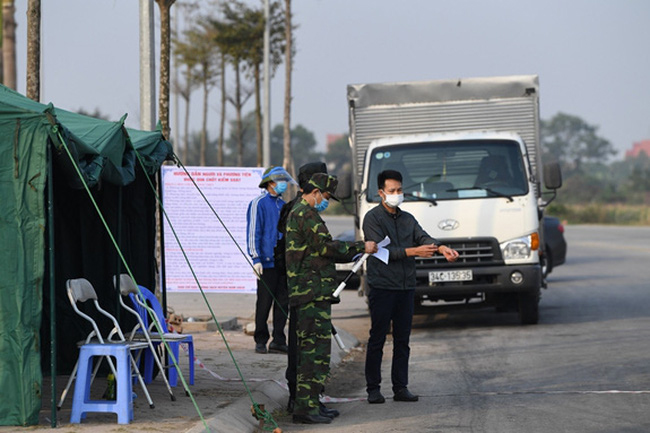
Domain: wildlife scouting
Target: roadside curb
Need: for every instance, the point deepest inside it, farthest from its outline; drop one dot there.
(237, 416)
(207, 324)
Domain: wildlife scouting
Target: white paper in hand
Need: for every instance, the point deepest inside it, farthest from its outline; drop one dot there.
(382, 253)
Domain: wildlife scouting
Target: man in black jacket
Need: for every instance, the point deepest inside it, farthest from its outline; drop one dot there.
(392, 285)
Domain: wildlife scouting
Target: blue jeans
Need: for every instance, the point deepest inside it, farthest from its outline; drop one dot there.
(388, 306)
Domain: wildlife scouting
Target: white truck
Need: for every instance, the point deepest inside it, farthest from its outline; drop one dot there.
(469, 154)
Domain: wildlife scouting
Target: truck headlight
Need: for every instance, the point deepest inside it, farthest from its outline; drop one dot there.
(520, 248)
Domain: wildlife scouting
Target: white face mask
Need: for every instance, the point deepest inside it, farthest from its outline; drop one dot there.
(394, 200)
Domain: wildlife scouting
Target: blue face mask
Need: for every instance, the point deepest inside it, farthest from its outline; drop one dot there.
(280, 187)
(320, 207)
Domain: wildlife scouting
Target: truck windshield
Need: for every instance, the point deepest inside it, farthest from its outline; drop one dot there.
(452, 170)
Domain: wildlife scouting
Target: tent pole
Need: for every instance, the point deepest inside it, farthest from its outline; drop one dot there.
(50, 224)
(118, 262)
(163, 283)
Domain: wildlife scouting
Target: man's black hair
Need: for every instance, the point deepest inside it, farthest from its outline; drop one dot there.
(388, 174)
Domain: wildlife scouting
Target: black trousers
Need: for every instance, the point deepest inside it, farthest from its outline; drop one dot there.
(273, 284)
(388, 306)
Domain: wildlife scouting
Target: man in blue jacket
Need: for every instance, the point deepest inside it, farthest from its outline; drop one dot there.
(261, 237)
(392, 285)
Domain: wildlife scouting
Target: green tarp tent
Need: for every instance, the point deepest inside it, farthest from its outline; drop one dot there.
(104, 153)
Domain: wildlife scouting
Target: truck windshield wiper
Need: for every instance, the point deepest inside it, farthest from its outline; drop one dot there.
(416, 198)
(490, 190)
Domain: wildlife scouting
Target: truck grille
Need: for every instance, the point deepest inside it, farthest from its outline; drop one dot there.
(482, 252)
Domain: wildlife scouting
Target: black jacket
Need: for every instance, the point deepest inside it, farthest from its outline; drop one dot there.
(404, 232)
(280, 247)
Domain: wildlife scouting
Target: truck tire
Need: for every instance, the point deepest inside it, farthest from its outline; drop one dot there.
(529, 308)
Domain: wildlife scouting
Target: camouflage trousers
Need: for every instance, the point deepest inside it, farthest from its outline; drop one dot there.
(314, 331)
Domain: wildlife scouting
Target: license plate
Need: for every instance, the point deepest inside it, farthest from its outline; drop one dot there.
(445, 276)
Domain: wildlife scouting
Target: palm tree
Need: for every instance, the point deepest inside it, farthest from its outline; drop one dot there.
(33, 50)
(242, 95)
(222, 118)
(207, 73)
(9, 43)
(230, 35)
(165, 49)
(185, 55)
(255, 23)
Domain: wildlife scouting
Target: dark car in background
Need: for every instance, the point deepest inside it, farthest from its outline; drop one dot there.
(554, 244)
(343, 269)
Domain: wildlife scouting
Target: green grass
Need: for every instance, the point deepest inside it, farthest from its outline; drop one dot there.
(601, 213)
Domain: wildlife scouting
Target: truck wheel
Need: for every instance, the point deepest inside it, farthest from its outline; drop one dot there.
(529, 308)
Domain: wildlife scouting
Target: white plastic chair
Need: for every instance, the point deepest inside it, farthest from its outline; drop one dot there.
(139, 331)
(81, 290)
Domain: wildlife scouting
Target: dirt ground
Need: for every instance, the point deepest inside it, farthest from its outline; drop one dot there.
(214, 397)
(210, 394)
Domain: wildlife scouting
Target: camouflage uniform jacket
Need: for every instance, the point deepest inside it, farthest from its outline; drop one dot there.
(311, 254)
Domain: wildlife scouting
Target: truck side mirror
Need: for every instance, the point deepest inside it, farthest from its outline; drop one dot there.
(344, 189)
(552, 175)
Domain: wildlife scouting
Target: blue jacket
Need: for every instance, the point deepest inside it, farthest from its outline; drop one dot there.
(262, 228)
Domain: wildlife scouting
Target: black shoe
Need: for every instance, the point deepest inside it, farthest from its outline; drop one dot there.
(275, 347)
(311, 419)
(405, 395)
(330, 413)
(260, 348)
(375, 397)
(326, 411)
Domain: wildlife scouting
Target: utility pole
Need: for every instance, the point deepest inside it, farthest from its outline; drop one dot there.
(266, 125)
(147, 67)
(176, 129)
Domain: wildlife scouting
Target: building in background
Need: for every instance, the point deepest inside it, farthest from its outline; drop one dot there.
(331, 138)
(637, 148)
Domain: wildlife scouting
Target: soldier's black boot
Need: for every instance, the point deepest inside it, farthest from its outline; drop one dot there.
(328, 412)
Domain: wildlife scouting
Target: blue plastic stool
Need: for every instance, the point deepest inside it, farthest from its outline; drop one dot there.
(123, 405)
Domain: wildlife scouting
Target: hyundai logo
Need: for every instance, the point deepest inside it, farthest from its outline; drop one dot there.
(448, 224)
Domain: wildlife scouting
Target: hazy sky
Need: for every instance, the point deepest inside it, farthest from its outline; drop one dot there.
(592, 56)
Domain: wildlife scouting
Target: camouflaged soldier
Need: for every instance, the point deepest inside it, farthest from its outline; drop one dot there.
(310, 257)
(305, 173)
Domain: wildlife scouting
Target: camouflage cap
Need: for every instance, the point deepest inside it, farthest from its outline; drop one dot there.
(325, 183)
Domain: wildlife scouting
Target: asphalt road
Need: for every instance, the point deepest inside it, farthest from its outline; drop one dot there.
(584, 368)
